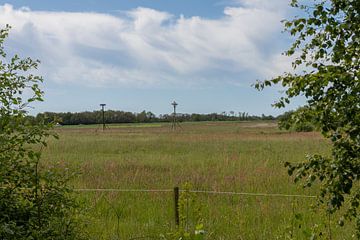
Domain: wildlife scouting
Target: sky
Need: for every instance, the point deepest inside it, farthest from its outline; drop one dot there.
(139, 55)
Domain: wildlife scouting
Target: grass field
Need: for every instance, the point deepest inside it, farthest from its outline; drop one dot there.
(216, 156)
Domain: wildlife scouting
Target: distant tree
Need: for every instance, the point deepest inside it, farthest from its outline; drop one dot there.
(113, 116)
(243, 116)
(141, 117)
(150, 116)
(327, 46)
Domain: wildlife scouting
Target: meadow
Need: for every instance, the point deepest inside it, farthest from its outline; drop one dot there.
(244, 157)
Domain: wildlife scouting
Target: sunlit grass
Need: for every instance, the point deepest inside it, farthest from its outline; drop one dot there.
(220, 156)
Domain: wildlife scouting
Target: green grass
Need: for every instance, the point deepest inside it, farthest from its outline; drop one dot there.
(217, 156)
(112, 126)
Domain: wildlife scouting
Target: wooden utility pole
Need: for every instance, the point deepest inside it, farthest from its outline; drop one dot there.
(102, 105)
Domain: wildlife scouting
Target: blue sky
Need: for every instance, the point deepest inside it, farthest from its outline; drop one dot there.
(139, 55)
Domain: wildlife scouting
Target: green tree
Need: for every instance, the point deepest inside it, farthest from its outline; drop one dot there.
(301, 120)
(35, 203)
(327, 48)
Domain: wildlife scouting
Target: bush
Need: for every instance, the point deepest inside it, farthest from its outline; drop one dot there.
(300, 120)
(304, 127)
(34, 203)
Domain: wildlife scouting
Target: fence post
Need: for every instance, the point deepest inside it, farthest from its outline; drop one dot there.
(176, 200)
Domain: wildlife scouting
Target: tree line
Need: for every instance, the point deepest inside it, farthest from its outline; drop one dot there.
(116, 116)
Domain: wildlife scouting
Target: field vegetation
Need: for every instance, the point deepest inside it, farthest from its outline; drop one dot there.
(244, 157)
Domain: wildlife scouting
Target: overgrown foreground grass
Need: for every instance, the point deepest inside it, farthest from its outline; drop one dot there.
(239, 157)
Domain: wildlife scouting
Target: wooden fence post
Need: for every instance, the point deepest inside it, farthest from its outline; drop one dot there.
(176, 200)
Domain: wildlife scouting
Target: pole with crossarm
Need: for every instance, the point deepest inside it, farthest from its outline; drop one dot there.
(102, 105)
(174, 104)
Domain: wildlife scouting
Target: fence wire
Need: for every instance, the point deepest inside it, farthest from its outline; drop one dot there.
(195, 191)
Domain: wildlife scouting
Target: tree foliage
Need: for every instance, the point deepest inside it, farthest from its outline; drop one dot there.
(327, 47)
(34, 203)
(114, 116)
(301, 120)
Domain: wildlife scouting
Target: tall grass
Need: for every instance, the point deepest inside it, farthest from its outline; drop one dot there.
(222, 156)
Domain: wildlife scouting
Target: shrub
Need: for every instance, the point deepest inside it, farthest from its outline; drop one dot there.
(304, 127)
(34, 203)
(300, 120)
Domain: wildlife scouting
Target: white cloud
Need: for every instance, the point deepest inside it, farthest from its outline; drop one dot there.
(146, 47)
(273, 5)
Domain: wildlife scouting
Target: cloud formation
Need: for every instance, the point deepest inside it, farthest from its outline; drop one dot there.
(146, 47)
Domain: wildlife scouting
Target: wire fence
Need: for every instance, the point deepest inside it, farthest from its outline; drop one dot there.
(195, 191)
(176, 195)
(192, 191)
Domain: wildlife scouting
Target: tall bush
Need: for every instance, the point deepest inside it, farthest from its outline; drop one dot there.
(34, 203)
